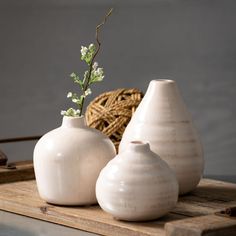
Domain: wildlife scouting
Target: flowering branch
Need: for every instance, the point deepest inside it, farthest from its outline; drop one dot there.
(92, 75)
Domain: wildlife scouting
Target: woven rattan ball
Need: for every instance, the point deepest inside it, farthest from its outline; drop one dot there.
(110, 112)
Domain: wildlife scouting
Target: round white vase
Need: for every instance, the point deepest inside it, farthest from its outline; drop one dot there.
(68, 160)
(137, 185)
(163, 120)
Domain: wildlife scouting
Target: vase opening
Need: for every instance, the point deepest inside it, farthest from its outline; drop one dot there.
(138, 142)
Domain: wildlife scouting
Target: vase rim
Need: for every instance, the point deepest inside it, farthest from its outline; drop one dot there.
(163, 81)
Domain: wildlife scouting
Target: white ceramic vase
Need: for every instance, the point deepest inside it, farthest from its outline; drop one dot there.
(68, 160)
(137, 185)
(163, 120)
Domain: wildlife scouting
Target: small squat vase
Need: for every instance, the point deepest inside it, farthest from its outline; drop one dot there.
(68, 160)
(163, 120)
(137, 185)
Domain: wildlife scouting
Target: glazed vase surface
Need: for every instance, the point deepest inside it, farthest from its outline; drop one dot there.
(137, 185)
(68, 160)
(163, 120)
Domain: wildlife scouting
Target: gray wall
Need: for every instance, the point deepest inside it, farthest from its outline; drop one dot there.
(190, 41)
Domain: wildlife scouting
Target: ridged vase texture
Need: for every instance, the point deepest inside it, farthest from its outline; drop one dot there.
(163, 120)
(137, 185)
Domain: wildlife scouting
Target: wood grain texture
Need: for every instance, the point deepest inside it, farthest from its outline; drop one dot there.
(209, 225)
(193, 215)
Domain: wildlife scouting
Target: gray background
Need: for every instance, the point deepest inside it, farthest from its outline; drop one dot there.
(193, 42)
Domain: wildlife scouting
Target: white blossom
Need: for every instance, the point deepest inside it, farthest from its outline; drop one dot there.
(95, 65)
(87, 92)
(100, 70)
(69, 95)
(75, 100)
(83, 50)
(63, 113)
(91, 46)
(73, 74)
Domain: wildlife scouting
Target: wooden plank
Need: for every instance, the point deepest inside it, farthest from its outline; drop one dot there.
(17, 172)
(210, 196)
(210, 225)
(188, 218)
(215, 189)
(22, 198)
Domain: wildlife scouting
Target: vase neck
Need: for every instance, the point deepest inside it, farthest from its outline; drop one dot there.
(163, 87)
(139, 146)
(73, 122)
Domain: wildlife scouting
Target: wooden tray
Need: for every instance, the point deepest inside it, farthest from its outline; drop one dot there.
(193, 215)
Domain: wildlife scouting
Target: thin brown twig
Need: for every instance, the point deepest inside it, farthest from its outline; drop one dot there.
(95, 54)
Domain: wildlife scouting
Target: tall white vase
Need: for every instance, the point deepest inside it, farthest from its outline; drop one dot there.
(68, 160)
(163, 120)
